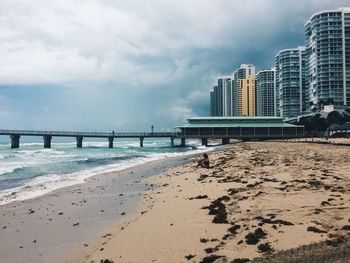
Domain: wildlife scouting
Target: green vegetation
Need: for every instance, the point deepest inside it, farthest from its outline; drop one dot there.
(316, 124)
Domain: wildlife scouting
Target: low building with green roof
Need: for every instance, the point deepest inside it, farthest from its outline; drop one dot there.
(243, 128)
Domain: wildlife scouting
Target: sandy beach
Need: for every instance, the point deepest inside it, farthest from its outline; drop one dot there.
(258, 199)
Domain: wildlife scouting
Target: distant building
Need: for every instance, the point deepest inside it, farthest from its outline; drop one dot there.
(291, 89)
(218, 97)
(265, 92)
(327, 40)
(227, 95)
(221, 98)
(212, 104)
(243, 91)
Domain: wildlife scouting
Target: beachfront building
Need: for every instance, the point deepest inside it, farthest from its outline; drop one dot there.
(243, 91)
(327, 40)
(291, 92)
(265, 92)
(221, 97)
(243, 128)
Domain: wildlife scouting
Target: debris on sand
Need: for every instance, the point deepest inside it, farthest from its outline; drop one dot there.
(204, 240)
(274, 221)
(218, 209)
(202, 177)
(346, 227)
(233, 229)
(264, 248)
(210, 259)
(199, 197)
(241, 260)
(210, 250)
(254, 238)
(315, 229)
(189, 257)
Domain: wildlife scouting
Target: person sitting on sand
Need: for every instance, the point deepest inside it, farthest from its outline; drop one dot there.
(204, 162)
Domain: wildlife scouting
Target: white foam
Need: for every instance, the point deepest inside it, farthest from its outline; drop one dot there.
(44, 184)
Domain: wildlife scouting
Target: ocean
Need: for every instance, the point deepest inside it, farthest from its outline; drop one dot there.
(31, 170)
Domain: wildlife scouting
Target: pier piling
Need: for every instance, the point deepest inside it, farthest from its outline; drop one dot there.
(110, 142)
(172, 141)
(14, 141)
(141, 141)
(205, 141)
(183, 142)
(79, 142)
(47, 141)
(225, 141)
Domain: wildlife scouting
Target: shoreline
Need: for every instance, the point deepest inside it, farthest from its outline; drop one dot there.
(42, 185)
(46, 227)
(258, 199)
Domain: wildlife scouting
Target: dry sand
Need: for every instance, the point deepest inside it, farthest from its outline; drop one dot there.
(258, 198)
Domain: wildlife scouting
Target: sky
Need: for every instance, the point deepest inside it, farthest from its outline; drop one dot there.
(124, 65)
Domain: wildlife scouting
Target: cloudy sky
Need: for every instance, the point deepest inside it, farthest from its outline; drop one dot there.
(124, 64)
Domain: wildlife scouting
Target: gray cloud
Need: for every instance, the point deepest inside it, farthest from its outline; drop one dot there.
(133, 62)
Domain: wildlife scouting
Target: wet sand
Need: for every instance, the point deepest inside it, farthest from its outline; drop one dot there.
(53, 226)
(259, 200)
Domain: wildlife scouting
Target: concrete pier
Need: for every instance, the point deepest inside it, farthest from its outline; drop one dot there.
(141, 141)
(205, 141)
(15, 141)
(225, 141)
(183, 142)
(110, 142)
(79, 142)
(47, 136)
(47, 141)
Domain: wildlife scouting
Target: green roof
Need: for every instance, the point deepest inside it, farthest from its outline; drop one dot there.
(254, 118)
(229, 125)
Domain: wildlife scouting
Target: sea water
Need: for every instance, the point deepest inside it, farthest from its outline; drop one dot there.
(31, 170)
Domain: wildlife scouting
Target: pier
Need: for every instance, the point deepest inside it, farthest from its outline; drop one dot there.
(47, 136)
(202, 128)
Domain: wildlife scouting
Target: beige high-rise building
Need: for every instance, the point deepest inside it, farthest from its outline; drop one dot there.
(244, 91)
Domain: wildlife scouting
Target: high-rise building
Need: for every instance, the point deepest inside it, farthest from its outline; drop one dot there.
(243, 91)
(221, 98)
(327, 40)
(225, 82)
(265, 92)
(290, 82)
(212, 104)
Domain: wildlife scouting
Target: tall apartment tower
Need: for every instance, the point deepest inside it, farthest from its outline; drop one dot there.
(266, 92)
(243, 91)
(212, 103)
(218, 98)
(225, 83)
(327, 40)
(291, 92)
(221, 98)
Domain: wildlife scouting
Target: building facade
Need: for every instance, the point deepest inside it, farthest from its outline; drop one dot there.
(265, 93)
(243, 91)
(291, 92)
(221, 98)
(327, 40)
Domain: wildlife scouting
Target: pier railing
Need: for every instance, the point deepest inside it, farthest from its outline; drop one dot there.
(47, 136)
(88, 134)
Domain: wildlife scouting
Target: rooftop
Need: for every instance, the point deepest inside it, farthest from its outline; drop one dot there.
(258, 121)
